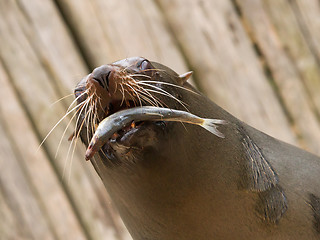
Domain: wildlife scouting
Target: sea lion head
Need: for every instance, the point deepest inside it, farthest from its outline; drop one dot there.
(123, 84)
(155, 172)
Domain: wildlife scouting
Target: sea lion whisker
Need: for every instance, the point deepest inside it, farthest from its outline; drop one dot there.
(74, 139)
(64, 132)
(133, 76)
(155, 101)
(75, 100)
(96, 95)
(93, 122)
(169, 95)
(84, 120)
(145, 99)
(157, 88)
(93, 119)
(74, 143)
(134, 90)
(99, 100)
(142, 90)
(71, 159)
(116, 88)
(134, 100)
(72, 155)
(148, 100)
(89, 120)
(152, 100)
(165, 93)
(85, 109)
(89, 123)
(123, 96)
(67, 157)
(77, 125)
(170, 84)
(62, 98)
(54, 127)
(138, 75)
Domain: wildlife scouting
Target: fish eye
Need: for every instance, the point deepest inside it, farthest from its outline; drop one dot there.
(145, 64)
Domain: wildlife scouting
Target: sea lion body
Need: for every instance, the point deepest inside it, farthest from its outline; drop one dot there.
(181, 182)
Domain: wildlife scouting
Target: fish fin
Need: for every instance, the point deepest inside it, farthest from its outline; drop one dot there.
(210, 125)
(184, 77)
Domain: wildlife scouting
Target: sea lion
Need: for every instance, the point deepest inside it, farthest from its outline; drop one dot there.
(175, 181)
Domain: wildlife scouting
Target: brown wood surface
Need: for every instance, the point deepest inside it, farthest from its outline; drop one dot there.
(259, 59)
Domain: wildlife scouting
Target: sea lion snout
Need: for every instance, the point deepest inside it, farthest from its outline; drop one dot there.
(101, 76)
(112, 83)
(121, 85)
(102, 80)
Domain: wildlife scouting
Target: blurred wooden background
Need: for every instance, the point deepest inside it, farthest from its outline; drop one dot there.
(259, 59)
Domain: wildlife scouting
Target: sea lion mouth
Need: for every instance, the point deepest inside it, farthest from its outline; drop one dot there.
(110, 89)
(126, 84)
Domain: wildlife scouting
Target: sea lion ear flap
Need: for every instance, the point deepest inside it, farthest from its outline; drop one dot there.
(183, 78)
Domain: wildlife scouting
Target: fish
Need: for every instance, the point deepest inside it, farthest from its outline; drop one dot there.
(123, 118)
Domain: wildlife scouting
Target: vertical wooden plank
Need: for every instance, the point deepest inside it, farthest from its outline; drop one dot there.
(120, 29)
(40, 176)
(277, 34)
(52, 43)
(9, 227)
(225, 63)
(307, 14)
(18, 194)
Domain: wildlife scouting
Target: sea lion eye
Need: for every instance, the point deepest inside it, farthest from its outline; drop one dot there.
(145, 64)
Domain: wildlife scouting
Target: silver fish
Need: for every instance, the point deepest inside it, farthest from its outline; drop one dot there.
(121, 119)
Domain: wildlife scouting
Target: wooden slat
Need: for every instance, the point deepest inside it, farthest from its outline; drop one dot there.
(226, 65)
(304, 43)
(52, 43)
(120, 29)
(18, 194)
(308, 13)
(41, 177)
(33, 74)
(276, 32)
(9, 227)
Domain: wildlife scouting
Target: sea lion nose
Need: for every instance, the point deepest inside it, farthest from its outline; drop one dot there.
(102, 76)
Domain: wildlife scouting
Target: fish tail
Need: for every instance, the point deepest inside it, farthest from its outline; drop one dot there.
(210, 125)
